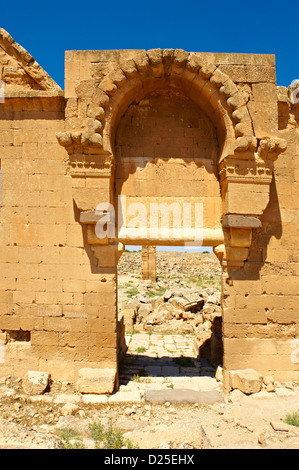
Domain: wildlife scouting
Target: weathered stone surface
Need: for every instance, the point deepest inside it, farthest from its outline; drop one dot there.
(167, 295)
(35, 382)
(69, 409)
(64, 398)
(280, 426)
(96, 380)
(240, 221)
(125, 397)
(94, 399)
(284, 392)
(247, 380)
(144, 310)
(183, 396)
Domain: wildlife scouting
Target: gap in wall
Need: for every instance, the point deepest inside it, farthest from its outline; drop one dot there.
(177, 320)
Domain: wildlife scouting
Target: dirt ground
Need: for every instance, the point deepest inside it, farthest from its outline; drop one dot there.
(246, 423)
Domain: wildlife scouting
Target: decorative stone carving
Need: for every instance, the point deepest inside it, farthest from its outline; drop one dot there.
(22, 71)
(154, 63)
(245, 163)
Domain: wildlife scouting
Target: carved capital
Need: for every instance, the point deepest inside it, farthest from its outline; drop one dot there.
(269, 149)
(239, 170)
(86, 156)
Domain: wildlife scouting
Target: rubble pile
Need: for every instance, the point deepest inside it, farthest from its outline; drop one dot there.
(185, 299)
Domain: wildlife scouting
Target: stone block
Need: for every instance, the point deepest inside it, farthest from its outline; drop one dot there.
(183, 396)
(247, 380)
(35, 383)
(125, 397)
(94, 399)
(96, 380)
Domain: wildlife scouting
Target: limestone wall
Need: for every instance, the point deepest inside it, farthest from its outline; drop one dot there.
(57, 308)
(156, 124)
(50, 285)
(260, 302)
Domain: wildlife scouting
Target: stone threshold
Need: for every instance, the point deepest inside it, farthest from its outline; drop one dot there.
(173, 396)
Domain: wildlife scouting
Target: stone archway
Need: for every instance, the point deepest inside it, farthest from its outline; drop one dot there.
(257, 231)
(245, 163)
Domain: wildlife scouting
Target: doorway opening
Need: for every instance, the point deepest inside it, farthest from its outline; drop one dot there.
(173, 326)
(166, 150)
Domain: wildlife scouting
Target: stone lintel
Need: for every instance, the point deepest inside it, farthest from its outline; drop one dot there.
(89, 217)
(240, 221)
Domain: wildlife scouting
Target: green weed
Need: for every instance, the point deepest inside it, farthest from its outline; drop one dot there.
(103, 438)
(71, 439)
(183, 361)
(292, 419)
(132, 292)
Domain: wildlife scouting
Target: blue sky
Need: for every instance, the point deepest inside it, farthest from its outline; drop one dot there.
(47, 29)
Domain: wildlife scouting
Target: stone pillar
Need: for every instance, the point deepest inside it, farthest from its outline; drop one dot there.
(245, 180)
(149, 263)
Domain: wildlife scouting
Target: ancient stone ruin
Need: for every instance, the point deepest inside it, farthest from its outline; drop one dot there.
(150, 127)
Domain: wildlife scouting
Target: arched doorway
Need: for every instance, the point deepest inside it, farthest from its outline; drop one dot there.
(244, 166)
(166, 152)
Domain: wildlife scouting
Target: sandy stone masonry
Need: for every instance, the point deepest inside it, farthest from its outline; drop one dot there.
(148, 262)
(154, 126)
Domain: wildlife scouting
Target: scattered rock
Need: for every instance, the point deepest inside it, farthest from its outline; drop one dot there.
(264, 439)
(69, 409)
(279, 426)
(164, 445)
(214, 298)
(284, 392)
(219, 374)
(236, 395)
(270, 387)
(35, 383)
(268, 379)
(247, 380)
(269, 383)
(96, 380)
(129, 411)
(289, 385)
(167, 295)
(143, 311)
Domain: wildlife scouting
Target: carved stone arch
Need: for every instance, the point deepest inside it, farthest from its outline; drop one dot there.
(245, 165)
(210, 88)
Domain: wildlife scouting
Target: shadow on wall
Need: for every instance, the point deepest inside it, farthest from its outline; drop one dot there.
(271, 227)
(212, 348)
(271, 221)
(92, 259)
